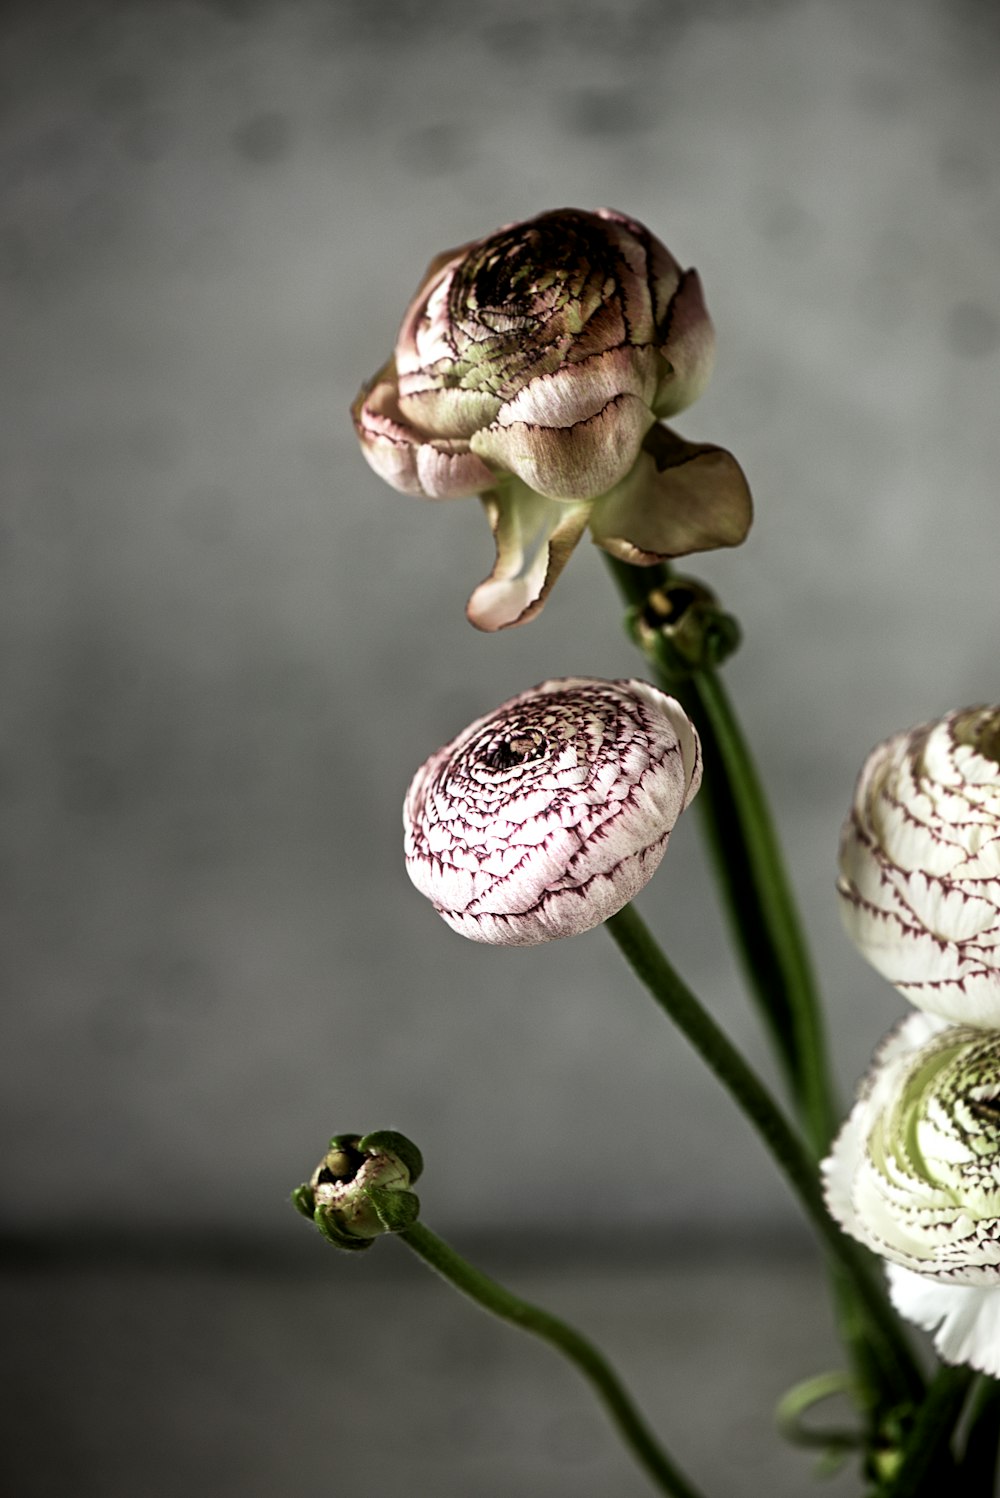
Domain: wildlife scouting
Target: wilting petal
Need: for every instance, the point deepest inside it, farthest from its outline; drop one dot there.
(534, 539)
(680, 497)
(575, 462)
(547, 816)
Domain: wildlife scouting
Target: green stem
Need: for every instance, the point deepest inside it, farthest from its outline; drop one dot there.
(641, 951)
(927, 1465)
(982, 1446)
(762, 916)
(750, 869)
(581, 1353)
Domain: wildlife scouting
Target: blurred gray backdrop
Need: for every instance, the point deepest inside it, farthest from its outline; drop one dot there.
(227, 647)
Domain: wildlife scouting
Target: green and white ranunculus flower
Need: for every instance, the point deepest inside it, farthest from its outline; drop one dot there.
(920, 865)
(915, 1175)
(532, 368)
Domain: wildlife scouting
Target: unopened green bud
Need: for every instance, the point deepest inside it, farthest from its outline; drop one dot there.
(361, 1188)
(683, 625)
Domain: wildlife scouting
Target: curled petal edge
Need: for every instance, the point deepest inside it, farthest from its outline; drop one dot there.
(534, 539)
(440, 469)
(680, 497)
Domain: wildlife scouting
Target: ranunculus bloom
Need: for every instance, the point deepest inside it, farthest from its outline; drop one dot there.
(547, 816)
(915, 1175)
(532, 368)
(920, 865)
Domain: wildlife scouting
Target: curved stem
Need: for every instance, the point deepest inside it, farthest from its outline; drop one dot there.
(673, 995)
(581, 1353)
(762, 915)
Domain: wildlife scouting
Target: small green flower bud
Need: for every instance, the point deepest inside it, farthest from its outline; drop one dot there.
(360, 1188)
(684, 626)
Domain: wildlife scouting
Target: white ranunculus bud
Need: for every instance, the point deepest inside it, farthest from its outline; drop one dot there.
(532, 368)
(920, 865)
(546, 817)
(915, 1175)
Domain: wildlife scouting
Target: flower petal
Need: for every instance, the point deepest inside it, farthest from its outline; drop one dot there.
(573, 462)
(680, 497)
(442, 469)
(534, 538)
(687, 342)
(965, 1319)
(547, 816)
(579, 390)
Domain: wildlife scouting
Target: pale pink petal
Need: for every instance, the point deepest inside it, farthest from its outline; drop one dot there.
(687, 342)
(534, 539)
(436, 470)
(579, 390)
(575, 462)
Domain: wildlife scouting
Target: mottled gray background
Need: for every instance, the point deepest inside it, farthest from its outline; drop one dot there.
(228, 646)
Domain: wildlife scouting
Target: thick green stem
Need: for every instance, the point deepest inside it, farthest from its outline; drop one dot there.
(581, 1353)
(751, 873)
(898, 1369)
(982, 1446)
(927, 1465)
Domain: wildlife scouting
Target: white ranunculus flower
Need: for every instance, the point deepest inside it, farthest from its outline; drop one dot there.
(920, 865)
(546, 817)
(915, 1175)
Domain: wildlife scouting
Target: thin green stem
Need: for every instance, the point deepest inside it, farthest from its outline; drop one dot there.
(582, 1354)
(641, 951)
(927, 1465)
(762, 915)
(751, 873)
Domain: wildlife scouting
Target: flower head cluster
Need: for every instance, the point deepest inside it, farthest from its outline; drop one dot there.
(547, 816)
(915, 1171)
(532, 368)
(915, 1175)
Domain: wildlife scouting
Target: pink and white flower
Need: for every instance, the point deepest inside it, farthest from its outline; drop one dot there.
(920, 865)
(532, 368)
(547, 816)
(915, 1175)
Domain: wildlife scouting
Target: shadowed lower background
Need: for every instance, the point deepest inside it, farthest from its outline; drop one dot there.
(227, 646)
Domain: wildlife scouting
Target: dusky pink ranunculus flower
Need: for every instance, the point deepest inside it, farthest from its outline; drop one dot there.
(920, 865)
(532, 368)
(915, 1175)
(547, 816)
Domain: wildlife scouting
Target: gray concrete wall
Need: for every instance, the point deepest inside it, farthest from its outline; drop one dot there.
(227, 646)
